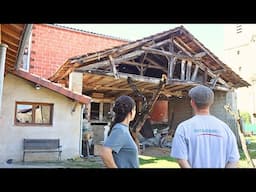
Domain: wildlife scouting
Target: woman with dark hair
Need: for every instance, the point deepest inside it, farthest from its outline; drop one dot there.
(119, 150)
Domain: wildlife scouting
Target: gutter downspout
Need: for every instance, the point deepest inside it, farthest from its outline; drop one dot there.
(81, 132)
(25, 38)
(3, 49)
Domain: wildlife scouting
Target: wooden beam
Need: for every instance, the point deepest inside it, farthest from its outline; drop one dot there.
(167, 54)
(112, 62)
(145, 65)
(156, 65)
(184, 45)
(205, 76)
(171, 66)
(201, 66)
(215, 81)
(183, 68)
(207, 51)
(117, 60)
(188, 71)
(193, 78)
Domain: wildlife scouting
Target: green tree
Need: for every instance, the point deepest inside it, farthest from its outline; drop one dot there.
(246, 117)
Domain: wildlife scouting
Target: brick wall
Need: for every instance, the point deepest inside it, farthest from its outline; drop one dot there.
(51, 46)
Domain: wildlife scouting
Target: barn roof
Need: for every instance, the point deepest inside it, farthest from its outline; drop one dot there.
(175, 53)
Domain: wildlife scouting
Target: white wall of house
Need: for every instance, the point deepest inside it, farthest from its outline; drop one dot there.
(239, 54)
(66, 124)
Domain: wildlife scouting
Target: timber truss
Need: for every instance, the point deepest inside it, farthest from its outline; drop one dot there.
(174, 53)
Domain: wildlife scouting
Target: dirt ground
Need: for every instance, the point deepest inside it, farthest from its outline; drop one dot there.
(149, 151)
(156, 152)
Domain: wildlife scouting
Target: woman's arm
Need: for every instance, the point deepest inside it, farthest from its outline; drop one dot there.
(107, 157)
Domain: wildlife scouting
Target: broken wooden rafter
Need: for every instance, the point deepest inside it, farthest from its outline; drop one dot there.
(146, 109)
(188, 71)
(117, 60)
(168, 54)
(182, 75)
(206, 51)
(112, 62)
(156, 65)
(171, 66)
(153, 66)
(201, 66)
(215, 81)
(193, 78)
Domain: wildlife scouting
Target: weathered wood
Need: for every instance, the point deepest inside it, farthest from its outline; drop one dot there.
(205, 75)
(215, 81)
(193, 78)
(200, 65)
(117, 60)
(156, 65)
(41, 146)
(171, 66)
(146, 108)
(241, 136)
(182, 75)
(166, 53)
(112, 62)
(144, 65)
(188, 71)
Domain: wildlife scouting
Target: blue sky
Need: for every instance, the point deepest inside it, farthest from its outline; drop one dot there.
(211, 35)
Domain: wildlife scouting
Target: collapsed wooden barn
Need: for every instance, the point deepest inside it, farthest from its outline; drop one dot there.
(136, 69)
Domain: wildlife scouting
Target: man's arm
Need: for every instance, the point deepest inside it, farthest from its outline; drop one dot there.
(183, 163)
(231, 165)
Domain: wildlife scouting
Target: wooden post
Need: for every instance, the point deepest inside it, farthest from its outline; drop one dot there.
(146, 109)
(182, 76)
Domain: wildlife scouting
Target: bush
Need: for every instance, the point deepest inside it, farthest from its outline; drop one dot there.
(246, 117)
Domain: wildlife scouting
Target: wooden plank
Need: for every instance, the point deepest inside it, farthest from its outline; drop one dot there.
(112, 62)
(171, 66)
(12, 33)
(117, 60)
(156, 65)
(193, 78)
(182, 76)
(144, 65)
(166, 53)
(188, 71)
(201, 66)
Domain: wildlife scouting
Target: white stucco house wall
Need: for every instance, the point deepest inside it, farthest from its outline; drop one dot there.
(65, 123)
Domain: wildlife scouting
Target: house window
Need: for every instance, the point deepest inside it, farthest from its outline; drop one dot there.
(27, 113)
(100, 111)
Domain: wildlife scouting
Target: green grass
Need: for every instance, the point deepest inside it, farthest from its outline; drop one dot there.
(168, 162)
(157, 162)
(243, 163)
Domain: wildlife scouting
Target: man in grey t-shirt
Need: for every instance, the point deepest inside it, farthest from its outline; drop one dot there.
(204, 141)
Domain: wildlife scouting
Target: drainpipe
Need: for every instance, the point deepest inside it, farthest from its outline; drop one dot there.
(24, 40)
(3, 49)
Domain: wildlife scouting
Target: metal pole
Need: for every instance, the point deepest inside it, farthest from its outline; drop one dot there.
(3, 49)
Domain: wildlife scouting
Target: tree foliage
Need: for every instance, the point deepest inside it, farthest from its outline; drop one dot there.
(246, 117)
